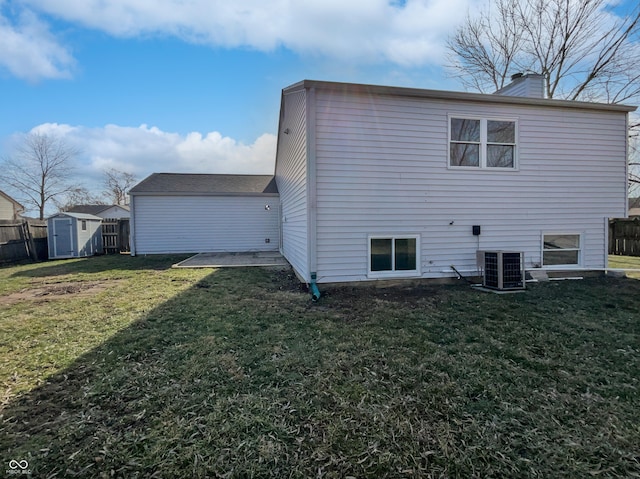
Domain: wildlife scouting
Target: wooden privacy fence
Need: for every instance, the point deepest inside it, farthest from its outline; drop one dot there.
(115, 236)
(624, 236)
(20, 240)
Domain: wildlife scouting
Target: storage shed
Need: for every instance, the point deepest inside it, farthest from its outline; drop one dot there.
(74, 235)
(204, 213)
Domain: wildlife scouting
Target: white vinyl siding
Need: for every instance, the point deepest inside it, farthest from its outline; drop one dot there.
(382, 165)
(114, 212)
(291, 178)
(202, 224)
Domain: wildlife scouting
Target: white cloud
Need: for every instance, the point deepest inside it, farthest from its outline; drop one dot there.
(406, 33)
(30, 51)
(144, 150)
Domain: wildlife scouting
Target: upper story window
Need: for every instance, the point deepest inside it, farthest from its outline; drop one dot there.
(482, 143)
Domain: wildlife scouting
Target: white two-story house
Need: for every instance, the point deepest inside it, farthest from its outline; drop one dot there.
(378, 182)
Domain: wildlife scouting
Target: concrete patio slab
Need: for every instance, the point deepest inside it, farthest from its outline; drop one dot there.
(231, 260)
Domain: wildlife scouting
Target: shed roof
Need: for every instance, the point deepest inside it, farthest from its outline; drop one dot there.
(363, 89)
(79, 216)
(206, 184)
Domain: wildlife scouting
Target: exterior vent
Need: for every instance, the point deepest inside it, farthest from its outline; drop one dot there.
(503, 270)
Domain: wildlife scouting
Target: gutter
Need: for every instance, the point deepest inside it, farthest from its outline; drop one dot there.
(312, 198)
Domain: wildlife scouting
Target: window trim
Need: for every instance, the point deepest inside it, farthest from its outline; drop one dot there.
(580, 249)
(483, 143)
(413, 273)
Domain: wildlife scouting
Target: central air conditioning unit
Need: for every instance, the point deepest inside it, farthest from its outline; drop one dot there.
(503, 270)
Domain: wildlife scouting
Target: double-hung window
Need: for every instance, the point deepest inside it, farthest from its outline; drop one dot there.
(561, 249)
(394, 256)
(482, 143)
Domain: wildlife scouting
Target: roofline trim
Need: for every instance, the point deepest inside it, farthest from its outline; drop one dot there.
(453, 95)
(8, 198)
(78, 216)
(192, 193)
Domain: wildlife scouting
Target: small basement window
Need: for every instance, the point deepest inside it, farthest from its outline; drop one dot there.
(393, 256)
(561, 249)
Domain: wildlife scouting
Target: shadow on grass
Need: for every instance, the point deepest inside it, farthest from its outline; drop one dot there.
(153, 399)
(241, 376)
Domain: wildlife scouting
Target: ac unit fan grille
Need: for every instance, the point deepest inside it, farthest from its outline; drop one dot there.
(491, 273)
(512, 270)
(503, 270)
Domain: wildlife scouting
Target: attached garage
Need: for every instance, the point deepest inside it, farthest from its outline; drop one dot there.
(204, 213)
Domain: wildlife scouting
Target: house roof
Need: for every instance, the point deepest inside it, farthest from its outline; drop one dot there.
(93, 209)
(206, 184)
(355, 88)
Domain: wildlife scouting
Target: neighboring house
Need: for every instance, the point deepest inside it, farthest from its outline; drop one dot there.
(192, 213)
(634, 206)
(10, 209)
(379, 182)
(103, 211)
(74, 235)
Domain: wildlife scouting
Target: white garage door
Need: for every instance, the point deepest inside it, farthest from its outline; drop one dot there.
(202, 224)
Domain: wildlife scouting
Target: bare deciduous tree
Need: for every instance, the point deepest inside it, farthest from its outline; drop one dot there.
(39, 170)
(117, 185)
(78, 195)
(583, 51)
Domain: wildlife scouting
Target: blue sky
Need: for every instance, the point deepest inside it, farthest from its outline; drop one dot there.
(194, 85)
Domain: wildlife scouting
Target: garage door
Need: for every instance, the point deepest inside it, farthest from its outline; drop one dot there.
(196, 224)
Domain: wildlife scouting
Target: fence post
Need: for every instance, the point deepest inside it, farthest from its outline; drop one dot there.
(33, 252)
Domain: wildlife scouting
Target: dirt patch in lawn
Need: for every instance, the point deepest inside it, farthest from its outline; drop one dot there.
(42, 292)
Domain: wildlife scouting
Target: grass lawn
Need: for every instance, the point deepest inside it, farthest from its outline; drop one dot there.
(122, 367)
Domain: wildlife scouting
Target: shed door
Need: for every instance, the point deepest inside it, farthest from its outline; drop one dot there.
(63, 237)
